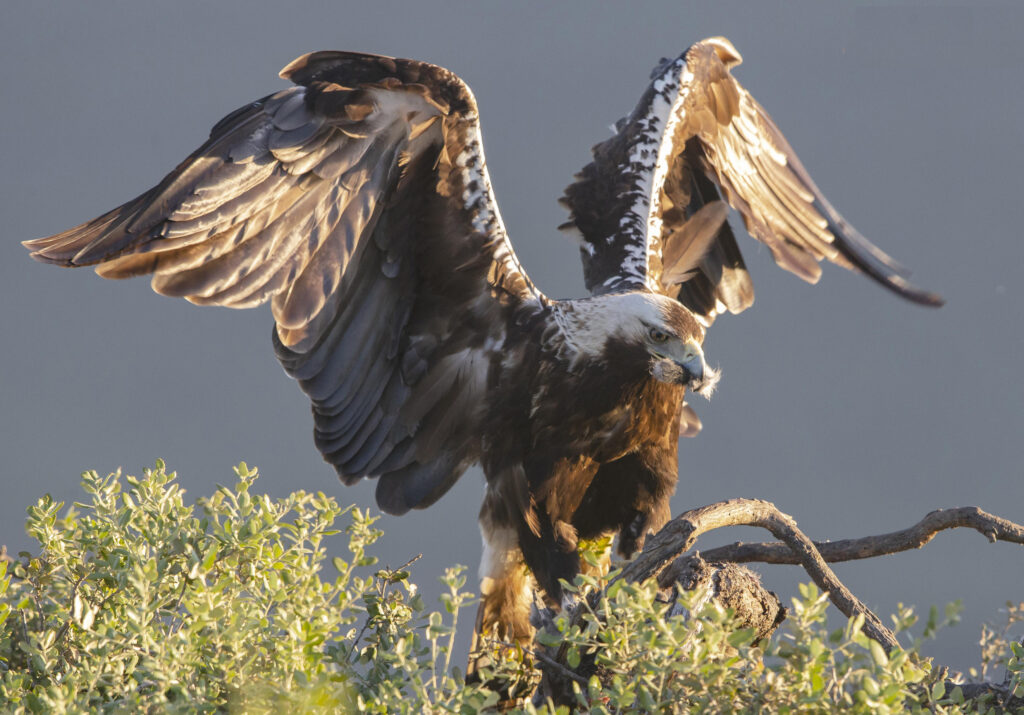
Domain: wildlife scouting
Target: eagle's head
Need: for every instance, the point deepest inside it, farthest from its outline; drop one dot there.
(652, 328)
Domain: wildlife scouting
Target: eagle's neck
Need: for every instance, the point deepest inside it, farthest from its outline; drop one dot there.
(585, 325)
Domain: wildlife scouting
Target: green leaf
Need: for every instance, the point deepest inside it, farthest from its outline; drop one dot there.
(548, 639)
(817, 681)
(741, 637)
(878, 654)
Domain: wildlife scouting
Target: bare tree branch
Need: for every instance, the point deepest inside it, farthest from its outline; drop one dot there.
(994, 528)
(681, 533)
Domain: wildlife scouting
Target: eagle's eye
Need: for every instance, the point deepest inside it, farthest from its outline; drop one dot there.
(658, 335)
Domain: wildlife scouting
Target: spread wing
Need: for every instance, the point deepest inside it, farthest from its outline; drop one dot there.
(358, 203)
(650, 206)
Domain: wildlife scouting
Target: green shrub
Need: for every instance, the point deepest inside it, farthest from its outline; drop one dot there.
(701, 664)
(138, 601)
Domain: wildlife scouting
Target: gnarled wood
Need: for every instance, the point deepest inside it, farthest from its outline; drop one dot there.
(994, 528)
(680, 534)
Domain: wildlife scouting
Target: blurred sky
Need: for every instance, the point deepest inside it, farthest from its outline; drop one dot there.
(851, 410)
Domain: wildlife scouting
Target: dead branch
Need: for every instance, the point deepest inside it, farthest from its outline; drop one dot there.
(1002, 693)
(992, 527)
(681, 533)
(732, 586)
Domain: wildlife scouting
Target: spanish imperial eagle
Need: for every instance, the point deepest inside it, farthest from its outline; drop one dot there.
(358, 203)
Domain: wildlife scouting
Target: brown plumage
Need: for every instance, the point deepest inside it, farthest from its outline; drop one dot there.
(358, 204)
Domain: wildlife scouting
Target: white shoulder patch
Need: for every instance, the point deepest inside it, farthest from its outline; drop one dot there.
(651, 156)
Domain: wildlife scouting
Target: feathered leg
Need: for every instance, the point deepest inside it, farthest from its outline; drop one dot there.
(506, 587)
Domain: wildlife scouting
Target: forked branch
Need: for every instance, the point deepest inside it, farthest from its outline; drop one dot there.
(680, 534)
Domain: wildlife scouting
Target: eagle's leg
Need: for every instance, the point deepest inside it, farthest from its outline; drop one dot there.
(550, 553)
(630, 496)
(506, 591)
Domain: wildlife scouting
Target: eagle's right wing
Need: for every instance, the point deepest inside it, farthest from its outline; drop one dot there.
(358, 203)
(650, 210)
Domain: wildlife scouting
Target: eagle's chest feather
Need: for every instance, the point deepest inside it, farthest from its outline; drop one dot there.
(600, 412)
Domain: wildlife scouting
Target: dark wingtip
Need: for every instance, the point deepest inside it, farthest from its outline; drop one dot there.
(898, 284)
(894, 281)
(873, 261)
(912, 293)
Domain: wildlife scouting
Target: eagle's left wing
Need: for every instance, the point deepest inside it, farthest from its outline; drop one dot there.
(649, 205)
(358, 204)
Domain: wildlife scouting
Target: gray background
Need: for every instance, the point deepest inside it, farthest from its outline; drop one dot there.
(853, 411)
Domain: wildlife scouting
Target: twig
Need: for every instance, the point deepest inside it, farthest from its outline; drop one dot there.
(548, 660)
(994, 528)
(381, 593)
(59, 640)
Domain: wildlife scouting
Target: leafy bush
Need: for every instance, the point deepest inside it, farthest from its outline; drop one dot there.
(662, 664)
(137, 601)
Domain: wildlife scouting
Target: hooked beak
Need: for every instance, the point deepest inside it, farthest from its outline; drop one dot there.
(696, 374)
(687, 368)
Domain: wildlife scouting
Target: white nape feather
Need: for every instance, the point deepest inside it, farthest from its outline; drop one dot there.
(589, 322)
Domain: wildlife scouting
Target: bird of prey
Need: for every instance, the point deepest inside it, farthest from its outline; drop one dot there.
(357, 202)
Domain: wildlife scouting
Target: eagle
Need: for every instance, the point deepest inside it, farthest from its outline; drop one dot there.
(357, 202)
